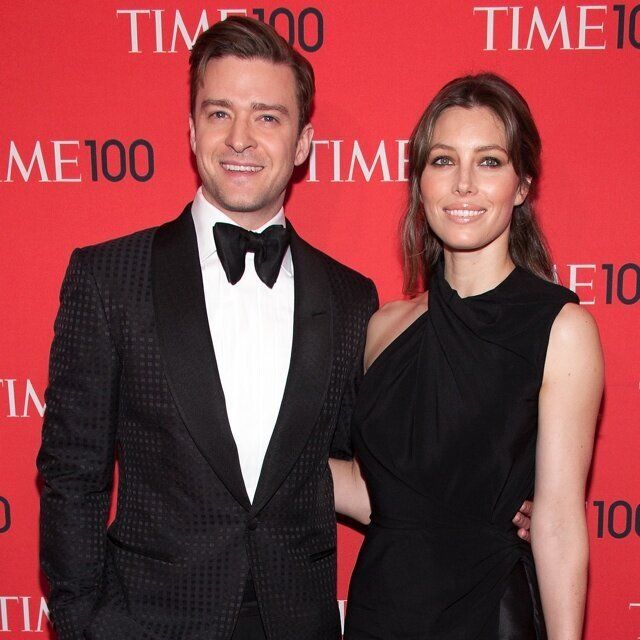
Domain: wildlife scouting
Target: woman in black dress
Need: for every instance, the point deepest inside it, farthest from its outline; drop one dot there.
(476, 391)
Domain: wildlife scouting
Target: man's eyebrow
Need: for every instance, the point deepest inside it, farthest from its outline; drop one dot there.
(261, 106)
(255, 106)
(215, 102)
(486, 147)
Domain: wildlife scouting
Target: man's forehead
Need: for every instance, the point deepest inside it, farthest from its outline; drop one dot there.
(253, 66)
(248, 79)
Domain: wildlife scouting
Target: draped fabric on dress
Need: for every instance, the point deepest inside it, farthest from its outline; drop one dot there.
(445, 428)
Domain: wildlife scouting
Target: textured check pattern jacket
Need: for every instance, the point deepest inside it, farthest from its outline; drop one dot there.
(133, 377)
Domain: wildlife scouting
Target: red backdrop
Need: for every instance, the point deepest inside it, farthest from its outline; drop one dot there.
(94, 144)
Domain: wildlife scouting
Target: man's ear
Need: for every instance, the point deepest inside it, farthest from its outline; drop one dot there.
(303, 146)
(192, 133)
(523, 191)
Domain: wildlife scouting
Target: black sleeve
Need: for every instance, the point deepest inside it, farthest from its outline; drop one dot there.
(76, 458)
(341, 446)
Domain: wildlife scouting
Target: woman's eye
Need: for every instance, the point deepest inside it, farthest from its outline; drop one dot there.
(442, 160)
(491, 162)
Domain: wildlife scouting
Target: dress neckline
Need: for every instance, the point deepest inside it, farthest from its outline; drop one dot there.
(450, 292)
(443, 290)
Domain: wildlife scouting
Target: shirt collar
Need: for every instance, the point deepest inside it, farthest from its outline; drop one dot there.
(205, 215)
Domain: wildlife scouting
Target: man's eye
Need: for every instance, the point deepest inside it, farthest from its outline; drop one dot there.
(218, 115)
(442, 160)
(490, 161)
(269, 118)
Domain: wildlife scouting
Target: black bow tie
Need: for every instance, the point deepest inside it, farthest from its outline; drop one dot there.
(269, 247)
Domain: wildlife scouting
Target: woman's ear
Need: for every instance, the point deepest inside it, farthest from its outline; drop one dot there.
(523, 191)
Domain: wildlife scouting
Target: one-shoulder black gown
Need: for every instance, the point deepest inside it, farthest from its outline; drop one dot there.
(445, 429)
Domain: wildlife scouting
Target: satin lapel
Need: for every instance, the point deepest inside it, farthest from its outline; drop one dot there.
(309, 370)
(187, 351)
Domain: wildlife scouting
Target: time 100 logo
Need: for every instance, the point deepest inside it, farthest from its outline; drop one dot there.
(5, 515)
(618, 519)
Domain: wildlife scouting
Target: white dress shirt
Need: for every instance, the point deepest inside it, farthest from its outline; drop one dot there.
(252, 331)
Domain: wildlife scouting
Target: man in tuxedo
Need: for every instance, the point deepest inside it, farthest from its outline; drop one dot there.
(217, 358)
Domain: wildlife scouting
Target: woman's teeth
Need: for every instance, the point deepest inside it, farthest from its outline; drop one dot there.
(465, 213)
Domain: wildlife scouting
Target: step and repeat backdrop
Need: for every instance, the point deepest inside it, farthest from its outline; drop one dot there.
(94, 144)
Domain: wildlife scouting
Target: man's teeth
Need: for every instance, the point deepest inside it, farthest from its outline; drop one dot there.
(466, 213)
(241, 167)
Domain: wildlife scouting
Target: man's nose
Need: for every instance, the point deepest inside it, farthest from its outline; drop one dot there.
(240, 136)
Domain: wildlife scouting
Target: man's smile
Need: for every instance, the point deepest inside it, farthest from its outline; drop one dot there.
(241, 168)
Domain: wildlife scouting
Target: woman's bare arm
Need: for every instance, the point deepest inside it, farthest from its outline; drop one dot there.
(568, 409)
(350, 490)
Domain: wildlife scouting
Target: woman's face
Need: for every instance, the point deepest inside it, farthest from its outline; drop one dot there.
(469, 187)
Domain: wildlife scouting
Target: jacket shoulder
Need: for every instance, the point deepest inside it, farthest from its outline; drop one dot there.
(334, 267)
(121, 245)
(129, 252)
(353, 293)
(348, 283)
(117, 263)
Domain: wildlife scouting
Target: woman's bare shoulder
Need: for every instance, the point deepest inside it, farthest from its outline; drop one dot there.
(389, 322)
(574, 342)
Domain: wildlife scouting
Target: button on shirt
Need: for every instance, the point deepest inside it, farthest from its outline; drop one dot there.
(252, 332)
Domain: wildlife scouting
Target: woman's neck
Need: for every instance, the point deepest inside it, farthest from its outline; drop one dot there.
(475, 272)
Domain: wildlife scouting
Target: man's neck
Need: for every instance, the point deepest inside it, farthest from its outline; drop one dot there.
(250, 220)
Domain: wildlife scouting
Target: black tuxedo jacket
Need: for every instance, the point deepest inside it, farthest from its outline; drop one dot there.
(133, 376)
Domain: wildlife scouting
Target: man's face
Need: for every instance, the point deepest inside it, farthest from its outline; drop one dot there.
(244, 134)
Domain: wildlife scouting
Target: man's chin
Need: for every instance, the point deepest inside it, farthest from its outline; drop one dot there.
(238, 205)
(244, 207)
